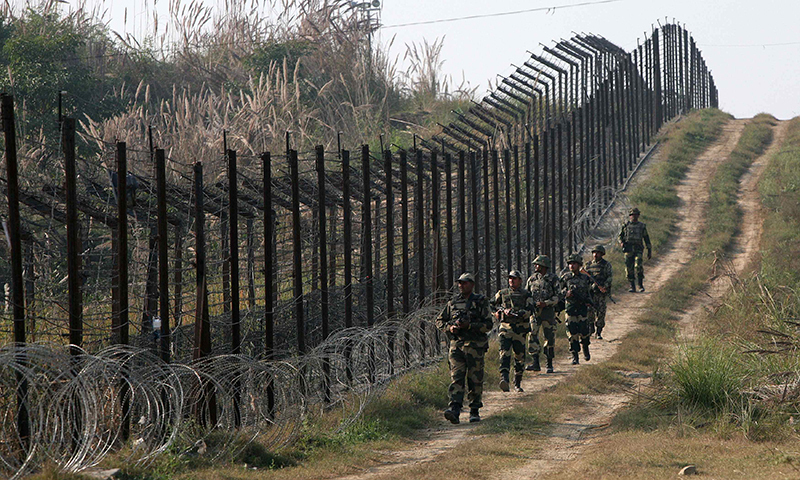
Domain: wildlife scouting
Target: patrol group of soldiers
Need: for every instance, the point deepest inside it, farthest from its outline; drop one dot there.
(581, 292)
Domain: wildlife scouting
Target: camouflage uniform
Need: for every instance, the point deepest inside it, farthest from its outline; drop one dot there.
(633, 236)
(513, 328)
(543, 288)
(602, 274)
(467, 346)
(579, 329)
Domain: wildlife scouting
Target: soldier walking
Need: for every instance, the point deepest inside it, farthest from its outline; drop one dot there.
(600, 270)
(632, 238)
(545, 294)
(513, 306)
(575, 286)
(466, 320)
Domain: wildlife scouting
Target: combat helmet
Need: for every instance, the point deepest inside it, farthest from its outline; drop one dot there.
(634, 211)
(600, 249)
(542, 260)
(575, 258)
(466, 277)
(514, 274)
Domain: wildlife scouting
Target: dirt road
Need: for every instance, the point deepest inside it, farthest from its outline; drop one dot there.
(567, 439)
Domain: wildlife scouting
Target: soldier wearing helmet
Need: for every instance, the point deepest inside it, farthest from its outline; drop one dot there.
(600, 270)
(466, 320)
(633, 237)
(576, 288)
(545, 294)
(513, 307)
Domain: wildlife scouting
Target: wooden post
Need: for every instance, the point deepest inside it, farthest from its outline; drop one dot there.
(475, 202)
(163, 252)
(404, 232)
(366, 241)
(487, 239)
(73, 236)
(448, 219)
(17, 285)
(323, 239)
(202, 324)
(517, 217)
(390, 311)
(496, 205)
(297, 253)
(347, 234)
(323, 263)
(269, 267)
(122, 241)
(251, 263)
(462, 212)
(419, 206)
(233, 216)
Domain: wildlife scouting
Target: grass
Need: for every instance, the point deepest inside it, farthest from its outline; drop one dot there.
(705, 412)
(414, 402)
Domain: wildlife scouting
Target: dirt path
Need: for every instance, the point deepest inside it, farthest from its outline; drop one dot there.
(745, 247)
(568, 438)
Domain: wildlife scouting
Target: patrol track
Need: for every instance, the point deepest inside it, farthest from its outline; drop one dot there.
(569, 436)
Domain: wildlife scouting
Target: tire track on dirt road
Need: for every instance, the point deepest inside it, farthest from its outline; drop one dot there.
(567, 439)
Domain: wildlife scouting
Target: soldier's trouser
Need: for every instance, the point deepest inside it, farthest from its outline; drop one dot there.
(597, 315)
(579, 330)
(512, 338)
(633, 265)
(549, 331)
(466, 370)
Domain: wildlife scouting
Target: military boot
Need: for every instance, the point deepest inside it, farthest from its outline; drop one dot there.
(600, 332)
(575, 347)
(504, 380)
(474, 415)
(518, 382)
(633, 287)
(641, 285)
(451, 414)
(549, 364)
(586, 354)
(535, 365)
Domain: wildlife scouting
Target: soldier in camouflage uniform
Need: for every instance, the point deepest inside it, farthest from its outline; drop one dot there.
(600, 270)
(632, 238)
(545, 294)
(466, 320)
(513, 306)
(576, 288)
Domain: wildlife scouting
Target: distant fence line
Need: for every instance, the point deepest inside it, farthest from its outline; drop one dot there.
(260, 285)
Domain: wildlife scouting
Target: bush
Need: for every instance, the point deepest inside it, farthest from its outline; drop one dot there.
(709, 376)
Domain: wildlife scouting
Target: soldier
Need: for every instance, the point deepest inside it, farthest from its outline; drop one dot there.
(632, 238)
(600, 270)
(545, 294)
(575, 286)
(513, 308)
(466, 320)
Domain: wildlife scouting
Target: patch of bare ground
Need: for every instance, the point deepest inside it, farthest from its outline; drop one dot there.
(694, 194)
(571, 433)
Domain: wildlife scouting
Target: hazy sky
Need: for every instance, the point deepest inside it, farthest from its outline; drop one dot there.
(752, 48)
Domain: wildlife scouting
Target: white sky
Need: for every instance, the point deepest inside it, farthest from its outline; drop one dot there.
(738, 38)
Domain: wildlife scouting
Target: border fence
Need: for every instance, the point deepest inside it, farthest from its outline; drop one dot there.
(152, 303)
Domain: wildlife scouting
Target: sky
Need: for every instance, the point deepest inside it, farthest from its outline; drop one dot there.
(752, 48)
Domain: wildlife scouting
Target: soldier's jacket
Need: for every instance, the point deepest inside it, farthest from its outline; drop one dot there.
(544, 288)
(601, 272)
(633, 236)
(519, 301)
(580, 285)
(476, 309)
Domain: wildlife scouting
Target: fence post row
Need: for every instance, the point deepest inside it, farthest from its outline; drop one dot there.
(584, 111)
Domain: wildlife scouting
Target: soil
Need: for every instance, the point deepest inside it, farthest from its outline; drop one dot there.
(571, 434)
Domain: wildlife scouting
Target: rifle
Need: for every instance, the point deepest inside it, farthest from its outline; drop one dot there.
(583, 270)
